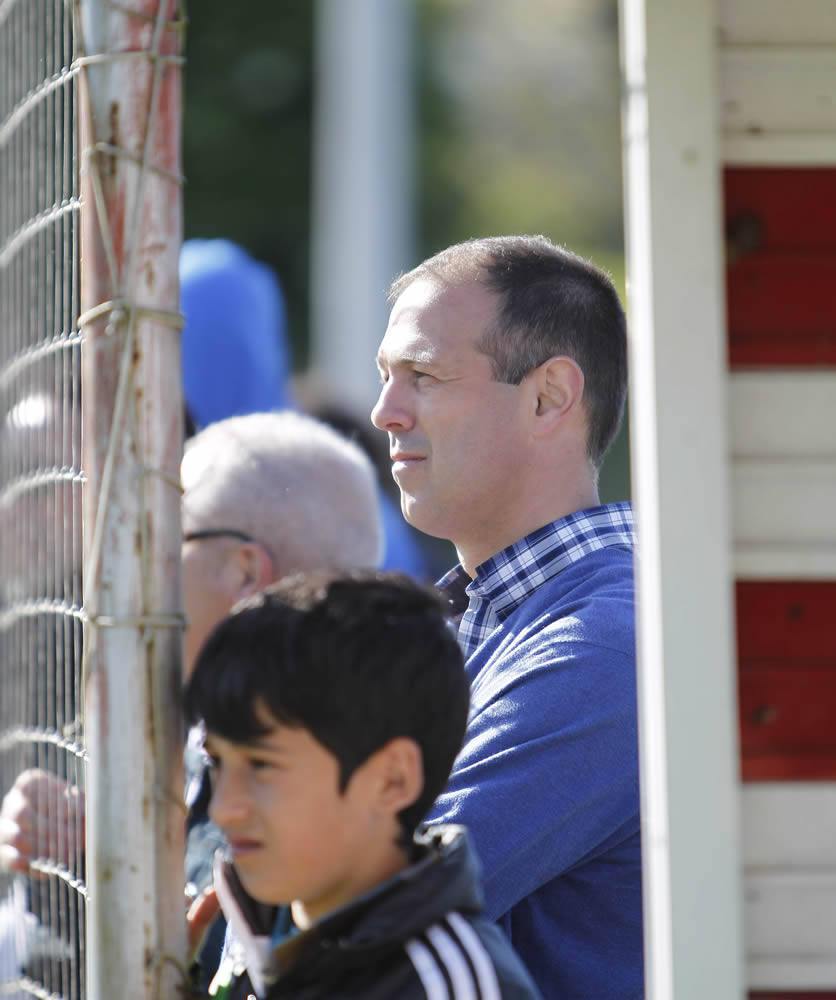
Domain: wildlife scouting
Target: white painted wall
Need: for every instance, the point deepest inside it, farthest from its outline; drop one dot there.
(790, 884)
(783, 451)
(777, 64)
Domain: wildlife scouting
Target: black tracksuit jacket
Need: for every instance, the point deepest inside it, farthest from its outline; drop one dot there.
(418, 936)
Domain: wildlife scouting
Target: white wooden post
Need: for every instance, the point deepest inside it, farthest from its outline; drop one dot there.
(687, 699)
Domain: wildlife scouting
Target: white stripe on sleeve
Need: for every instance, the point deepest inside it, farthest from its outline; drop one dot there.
(428, 971)
(450, 952)
(479, 956)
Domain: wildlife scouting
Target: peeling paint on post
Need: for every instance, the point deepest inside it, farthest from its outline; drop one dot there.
(131, 233)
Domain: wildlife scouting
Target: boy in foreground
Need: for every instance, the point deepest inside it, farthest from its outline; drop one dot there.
(334, 707)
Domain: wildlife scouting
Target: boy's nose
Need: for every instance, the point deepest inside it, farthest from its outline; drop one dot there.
(229, 805)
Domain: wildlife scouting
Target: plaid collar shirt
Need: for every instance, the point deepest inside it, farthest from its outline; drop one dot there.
(505, 580)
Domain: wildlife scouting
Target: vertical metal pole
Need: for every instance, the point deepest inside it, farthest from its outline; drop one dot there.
(362, 185)
(687, 705)
(132, 416)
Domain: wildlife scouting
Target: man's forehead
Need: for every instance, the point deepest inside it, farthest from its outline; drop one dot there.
(430, 314)
(404, 344)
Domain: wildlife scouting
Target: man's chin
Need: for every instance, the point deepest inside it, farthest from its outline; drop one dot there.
(422, 516)
(411, 508)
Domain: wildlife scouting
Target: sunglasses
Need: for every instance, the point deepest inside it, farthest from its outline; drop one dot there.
(192, 536)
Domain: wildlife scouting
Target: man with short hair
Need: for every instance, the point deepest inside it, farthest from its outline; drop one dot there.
(503, 373)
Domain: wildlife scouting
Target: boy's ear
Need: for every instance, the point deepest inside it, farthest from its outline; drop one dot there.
(400, 774)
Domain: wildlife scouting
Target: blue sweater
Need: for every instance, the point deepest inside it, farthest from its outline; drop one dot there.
(547, 781)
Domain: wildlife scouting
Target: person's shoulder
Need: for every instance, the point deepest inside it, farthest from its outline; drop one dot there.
(449, 941)
(591, 601)
(575, 631)
(473, 955)
(603, 574)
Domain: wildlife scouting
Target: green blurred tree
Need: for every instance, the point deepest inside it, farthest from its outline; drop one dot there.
(247, 136)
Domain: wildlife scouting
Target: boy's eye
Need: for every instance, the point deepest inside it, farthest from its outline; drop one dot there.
(259, 764)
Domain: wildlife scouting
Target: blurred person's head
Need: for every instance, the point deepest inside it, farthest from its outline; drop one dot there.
(334, 707)
(404, 548)
(234, 342)
(504, 371)
(40, 481)
(267, 495)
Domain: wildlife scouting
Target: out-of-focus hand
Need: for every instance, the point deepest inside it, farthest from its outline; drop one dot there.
(199, 916)
(42, 817)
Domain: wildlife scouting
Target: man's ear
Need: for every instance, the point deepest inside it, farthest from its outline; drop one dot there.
(256, 568)
(399, 767)
(558, 384)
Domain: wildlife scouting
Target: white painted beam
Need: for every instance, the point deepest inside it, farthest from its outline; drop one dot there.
(361, 225)
(687, 708)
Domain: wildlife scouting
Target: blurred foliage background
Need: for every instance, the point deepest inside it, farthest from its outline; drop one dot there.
(517, 111)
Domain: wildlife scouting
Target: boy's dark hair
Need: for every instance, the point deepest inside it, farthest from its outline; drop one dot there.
(356, 658)
(551, 302)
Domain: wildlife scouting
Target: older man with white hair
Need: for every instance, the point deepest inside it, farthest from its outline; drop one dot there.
(264, 495)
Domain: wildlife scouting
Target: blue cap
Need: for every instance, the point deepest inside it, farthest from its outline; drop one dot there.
(234, 343)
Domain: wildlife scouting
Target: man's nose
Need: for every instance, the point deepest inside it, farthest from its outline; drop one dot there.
(392, 411)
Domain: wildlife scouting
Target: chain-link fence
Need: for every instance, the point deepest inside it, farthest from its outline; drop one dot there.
(89, 725)
(41, 718)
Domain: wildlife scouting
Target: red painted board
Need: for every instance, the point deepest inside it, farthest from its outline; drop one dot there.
(786, 640)
(827, 995)
(797, 205)
(792, 711)
(780, 228)
(782, 310)
(786, 620)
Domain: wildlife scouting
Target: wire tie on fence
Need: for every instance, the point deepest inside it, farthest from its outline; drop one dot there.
(118, 317)
(164, 476)
(140, 621)
(185, 987)
(102, 309)
(168, 798)
(25, 984)
(166, 316)
(49, 867)
(124, 154)
(23, 736)
(99, 58)
(120, 310)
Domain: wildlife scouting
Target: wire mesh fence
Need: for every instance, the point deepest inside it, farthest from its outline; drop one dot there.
(41, 712)
(89, 156)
